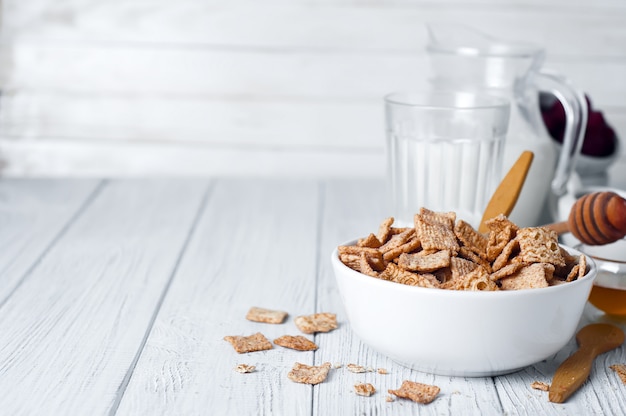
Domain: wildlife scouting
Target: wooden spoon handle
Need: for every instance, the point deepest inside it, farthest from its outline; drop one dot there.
(560, 227)
(571, 374)
(505, 196)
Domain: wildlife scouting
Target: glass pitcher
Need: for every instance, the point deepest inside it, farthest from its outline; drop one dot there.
(463, 59)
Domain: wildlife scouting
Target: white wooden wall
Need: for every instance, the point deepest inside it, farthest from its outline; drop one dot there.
(234, 87)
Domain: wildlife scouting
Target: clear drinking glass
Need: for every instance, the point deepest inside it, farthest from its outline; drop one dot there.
(444, 152)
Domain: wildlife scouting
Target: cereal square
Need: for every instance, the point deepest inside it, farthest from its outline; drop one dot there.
(297, 342)
(418, 392)
(267, 316)
(317, 322)
(309, 374)
(541, 245)
(254, 342)
(364, 389)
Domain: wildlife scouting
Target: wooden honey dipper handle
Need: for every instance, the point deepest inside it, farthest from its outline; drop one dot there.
(595, 219)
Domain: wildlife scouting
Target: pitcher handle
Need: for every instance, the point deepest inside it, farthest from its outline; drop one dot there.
(575, 106)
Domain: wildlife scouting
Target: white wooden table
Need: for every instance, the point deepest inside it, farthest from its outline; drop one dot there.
(115, 296)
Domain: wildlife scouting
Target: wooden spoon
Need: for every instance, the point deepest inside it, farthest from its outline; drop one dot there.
(504, 198)
(593, 340)
(595, 219)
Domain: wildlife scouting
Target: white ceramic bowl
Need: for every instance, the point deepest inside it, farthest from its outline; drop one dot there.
(461, 333)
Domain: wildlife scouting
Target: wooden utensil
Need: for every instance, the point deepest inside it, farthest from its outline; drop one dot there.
(595, 219)
(505, 196)
(593, 340)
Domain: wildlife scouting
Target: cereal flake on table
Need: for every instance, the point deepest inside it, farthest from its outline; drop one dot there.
(297, 342)
(317, 322)
(364, 389)
(442, 252)
(268, 316)
(540, 385)
(309, 374)
(251, 343)
(417, 392)
(620, 369)
(245, 368)
(355, 368)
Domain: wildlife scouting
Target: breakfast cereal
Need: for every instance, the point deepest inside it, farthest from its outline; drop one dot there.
(297, 342)
(443, 252)
(364, 389)
(318, 322)
(309, 374)
(540, 385)
(268, 316)
(418, 392)
(245, 368)
(252, 343)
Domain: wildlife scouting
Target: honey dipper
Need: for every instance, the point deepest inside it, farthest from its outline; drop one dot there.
(595, 219)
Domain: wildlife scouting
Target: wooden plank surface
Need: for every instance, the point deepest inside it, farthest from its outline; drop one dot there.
(34, 214)
(73, 328)
(255, 245)
(134, 284)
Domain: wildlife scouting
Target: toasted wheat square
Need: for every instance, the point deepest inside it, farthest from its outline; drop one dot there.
(252, 343)
(351, 257)
(467, 254)
(620, 369)
(582, 263)
(410, 246)
(505, 255)
(397, 240)
(424, 263)
(364, 389)
(540, 245)
(297, 342)
(397, 274)
(418, 392)
(267, 316)
(471, 239)
(434, 235)
(506, 271)
(365, 267)
(446, 219)
(573, 273)
(460, 267)
(370, 241)
(528, 277)
(477, 279)
(384, 230)
(308, 374)
(317, 322)
(501, 231)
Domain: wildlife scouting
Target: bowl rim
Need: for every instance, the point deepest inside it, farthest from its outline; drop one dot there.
(353, 274)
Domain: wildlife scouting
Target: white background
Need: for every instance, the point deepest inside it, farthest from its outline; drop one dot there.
(240, 87)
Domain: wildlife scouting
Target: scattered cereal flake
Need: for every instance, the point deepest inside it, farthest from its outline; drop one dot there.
(267, 316)
(297, 342)
(620, 369)
(540, 385)
(355, 368)
(418, 392)
(364, 389)
(337, 365)
(317, 322)
(254, 342)
(308, 374)
(389, 399)
(382, 371)
(245, 368)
